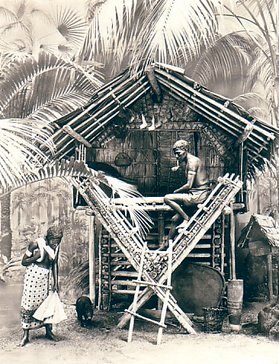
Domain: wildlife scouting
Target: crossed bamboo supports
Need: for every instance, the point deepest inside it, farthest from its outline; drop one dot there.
(131, 242)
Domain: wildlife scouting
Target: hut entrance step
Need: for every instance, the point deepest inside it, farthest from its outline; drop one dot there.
(165, 287)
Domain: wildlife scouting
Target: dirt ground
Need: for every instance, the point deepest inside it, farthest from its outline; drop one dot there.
(104, 343)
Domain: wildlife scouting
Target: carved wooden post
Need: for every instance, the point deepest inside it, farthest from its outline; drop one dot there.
(91, 258)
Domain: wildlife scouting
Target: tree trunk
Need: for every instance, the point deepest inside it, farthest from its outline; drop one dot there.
(6, 233)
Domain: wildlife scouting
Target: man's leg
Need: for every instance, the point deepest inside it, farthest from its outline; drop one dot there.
(173, 201)
(191, 201)
(175, 220)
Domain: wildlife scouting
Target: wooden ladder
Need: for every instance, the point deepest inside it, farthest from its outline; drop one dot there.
(166, 287)
(188, 238)
(131, 242)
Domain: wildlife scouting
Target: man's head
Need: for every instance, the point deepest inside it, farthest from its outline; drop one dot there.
(54, 236)
(180, 149)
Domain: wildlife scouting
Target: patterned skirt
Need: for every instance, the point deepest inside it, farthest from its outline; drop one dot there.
(35, 291)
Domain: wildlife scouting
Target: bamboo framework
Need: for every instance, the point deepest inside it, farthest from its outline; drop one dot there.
(114, 98)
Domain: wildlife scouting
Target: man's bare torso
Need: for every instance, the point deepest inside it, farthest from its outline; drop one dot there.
(194, 164)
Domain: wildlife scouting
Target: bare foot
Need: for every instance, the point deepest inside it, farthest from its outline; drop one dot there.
(24, 341)
(182, 225)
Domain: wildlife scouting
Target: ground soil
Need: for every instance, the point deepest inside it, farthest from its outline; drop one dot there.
(104, 343)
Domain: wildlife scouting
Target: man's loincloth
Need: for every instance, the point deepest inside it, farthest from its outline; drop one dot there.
(194, 197)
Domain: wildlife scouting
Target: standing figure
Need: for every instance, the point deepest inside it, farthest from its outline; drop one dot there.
(193, 192)
(40, 258)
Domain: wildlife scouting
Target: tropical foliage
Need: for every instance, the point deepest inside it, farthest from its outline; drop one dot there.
(255, 43)
(39, 81)
(45, 75)
(138, 32)
(116, 34)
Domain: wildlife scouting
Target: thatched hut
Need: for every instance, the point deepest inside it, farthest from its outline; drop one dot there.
(128, 128)
(260, 240)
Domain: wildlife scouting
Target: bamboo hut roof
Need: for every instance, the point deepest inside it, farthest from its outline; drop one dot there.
(89, 122)
(260, 228)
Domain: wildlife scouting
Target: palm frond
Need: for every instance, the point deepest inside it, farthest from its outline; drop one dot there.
(45, 89)
(78, 276)
(150, 30)
(172, 25)
(69, 24)
(16, 48)
(19, 151)
(140, 218)
(111, 20)
(15, 17)
(250, 98)
(14, 264)
(261, 69)
(232, 50)
(255, 104)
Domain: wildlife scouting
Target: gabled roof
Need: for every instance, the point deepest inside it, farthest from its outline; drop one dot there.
(89, 122)
(260, 227)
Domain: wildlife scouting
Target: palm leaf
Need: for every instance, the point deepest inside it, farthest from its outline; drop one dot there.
(110, 21)
(15, 49)
(69, 24)
(261, 69)
(232, 50)
(78, 276)
(19, 151)
(14, 264)
(45, 89)
(120, 189)
(150, 30)
(15, 17)
(255, 104)
(171, 26)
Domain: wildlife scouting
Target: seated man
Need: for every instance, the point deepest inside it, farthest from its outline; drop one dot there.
(193, 192)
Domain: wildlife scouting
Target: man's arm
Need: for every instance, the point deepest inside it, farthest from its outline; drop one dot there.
(190, 177)
(189, 184)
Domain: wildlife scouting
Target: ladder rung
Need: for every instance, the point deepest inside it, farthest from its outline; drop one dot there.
(120, 262)
(199, 255)
(145, 283)
(146, 319)
(202, 246)
(114, 255)
(124, 274)
(123, 291)
(123, 282)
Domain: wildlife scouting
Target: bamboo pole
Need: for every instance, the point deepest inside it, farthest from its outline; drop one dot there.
(166, 299)
(216, 117)
(207, 115)
(269, 276)
(91, 258)
(199, 105)
(92, 129)
(231, 113)
(232, 241)
(108, 101)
